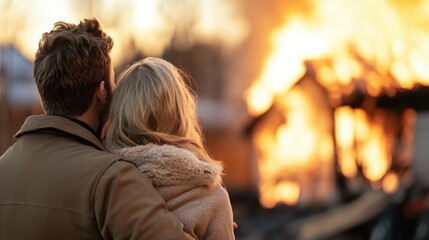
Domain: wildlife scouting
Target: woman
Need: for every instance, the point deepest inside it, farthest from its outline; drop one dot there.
(153, 123)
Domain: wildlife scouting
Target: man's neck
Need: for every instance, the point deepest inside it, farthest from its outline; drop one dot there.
(91, 117)
(90, 121)
(85, 125)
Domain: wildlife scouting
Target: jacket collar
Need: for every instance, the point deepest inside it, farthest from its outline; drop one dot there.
(50, 123)
(168, 165)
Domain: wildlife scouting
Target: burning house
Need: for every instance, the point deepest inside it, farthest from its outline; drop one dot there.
(340, 114)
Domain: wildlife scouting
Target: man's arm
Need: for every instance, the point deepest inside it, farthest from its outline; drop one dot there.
(128, 207)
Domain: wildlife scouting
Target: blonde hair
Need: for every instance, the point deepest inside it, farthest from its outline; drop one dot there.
(153, 104)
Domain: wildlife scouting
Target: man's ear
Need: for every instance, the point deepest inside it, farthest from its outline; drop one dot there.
(101, 92)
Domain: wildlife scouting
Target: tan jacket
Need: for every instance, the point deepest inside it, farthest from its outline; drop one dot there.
(191, 188)
(56, 182)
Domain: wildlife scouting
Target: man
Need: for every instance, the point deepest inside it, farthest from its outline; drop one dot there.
(56, 182)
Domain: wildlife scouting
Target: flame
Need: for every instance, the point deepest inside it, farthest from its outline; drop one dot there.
(284, 192)
(372, 47)
(376, 158)
(358, 38)
(285, 65)
(293, 147)
(345, 136)
(356, 133)
(390, 182)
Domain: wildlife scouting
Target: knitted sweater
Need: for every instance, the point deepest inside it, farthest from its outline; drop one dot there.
(190, 187)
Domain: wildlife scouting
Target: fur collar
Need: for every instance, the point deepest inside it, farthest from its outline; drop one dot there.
(168, 165)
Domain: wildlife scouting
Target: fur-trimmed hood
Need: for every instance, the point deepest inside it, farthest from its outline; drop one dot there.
(168, 165)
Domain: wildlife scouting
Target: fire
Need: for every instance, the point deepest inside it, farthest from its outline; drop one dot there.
(285, 65)
(287, 191)
(391, 182)
(355, 133)
(345, 135)
(348, 33)
(376, 154)
(373, 47)
(293, 150)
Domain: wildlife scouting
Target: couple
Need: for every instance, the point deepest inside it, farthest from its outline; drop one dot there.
(58, 182)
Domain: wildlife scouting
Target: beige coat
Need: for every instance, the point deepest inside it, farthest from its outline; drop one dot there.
(56, 182)
(191, 188)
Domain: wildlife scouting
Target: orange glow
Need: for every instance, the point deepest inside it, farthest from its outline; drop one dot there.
(260, 101)
(375, 154)
(356, 37)
(284, 192)
(345, 137)
(390, 182)
(347, 163)
(301, 145)
(355, 134)
(292, 46)
(344, 132)
(361, 125)
(368, 47)
(146, 25)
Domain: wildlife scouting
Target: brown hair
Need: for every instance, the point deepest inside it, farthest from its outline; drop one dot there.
(70, 63)
(153, 104)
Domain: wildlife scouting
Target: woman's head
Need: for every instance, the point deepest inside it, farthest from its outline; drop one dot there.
(153, 104)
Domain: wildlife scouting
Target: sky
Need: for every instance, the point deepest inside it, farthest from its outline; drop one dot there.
(148, 25)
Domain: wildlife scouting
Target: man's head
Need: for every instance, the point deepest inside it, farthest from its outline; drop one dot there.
(71, 63)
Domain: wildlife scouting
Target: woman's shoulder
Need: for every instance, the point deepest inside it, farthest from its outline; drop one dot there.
(168, 165)
(205, 211)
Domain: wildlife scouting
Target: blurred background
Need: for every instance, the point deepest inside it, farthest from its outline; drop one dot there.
(318, 108)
